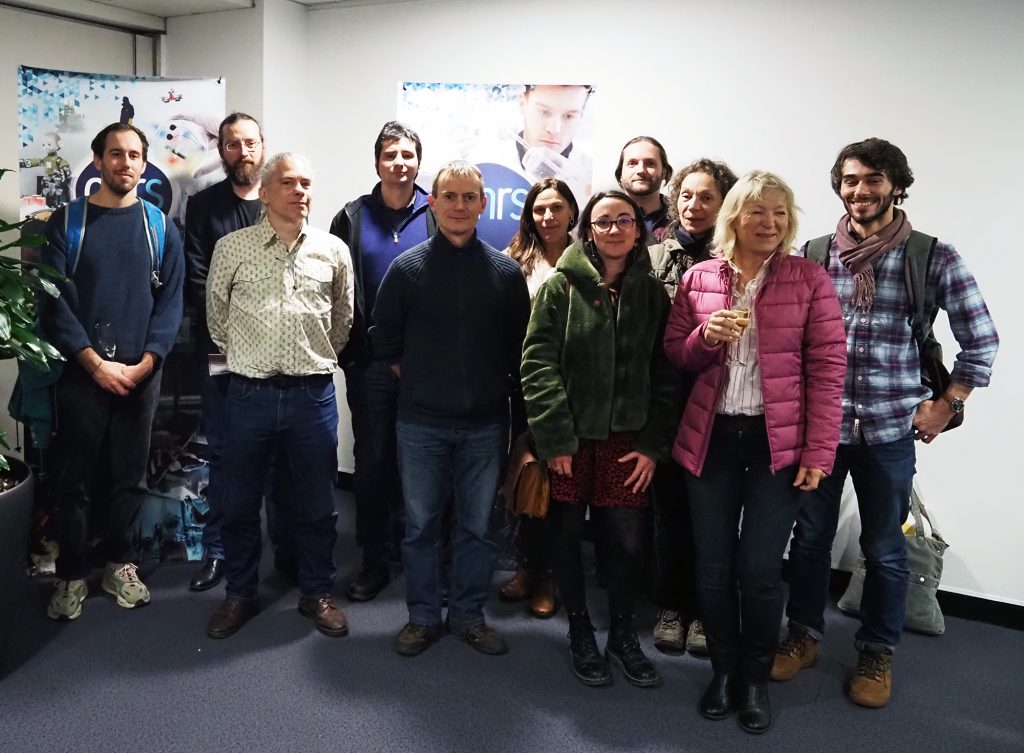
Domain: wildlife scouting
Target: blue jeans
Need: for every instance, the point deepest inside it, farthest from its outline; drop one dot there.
(736, 483)
(437, 463)
(280, 520)
(301, 422)
(372, 392)
(882, 476)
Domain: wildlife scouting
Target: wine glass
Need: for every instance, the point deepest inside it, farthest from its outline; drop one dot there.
(105, 339)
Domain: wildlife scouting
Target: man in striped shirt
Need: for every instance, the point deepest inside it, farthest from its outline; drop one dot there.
(885, 409)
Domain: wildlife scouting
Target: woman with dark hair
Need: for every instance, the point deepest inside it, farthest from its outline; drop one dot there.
(549, 215)
(600, 399)
(763, 334)
(696, 196)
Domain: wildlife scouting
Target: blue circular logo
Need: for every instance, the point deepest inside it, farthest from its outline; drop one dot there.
(506, 193)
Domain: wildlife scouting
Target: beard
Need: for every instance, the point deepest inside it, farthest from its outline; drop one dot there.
(244, 172)
(883, 207)
(640, 188)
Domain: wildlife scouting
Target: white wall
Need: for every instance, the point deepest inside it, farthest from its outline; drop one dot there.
(780, 86)
(36, 40)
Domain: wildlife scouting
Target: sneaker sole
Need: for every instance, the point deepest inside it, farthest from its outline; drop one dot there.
(121, 602)
(64, 617)
(636, 682)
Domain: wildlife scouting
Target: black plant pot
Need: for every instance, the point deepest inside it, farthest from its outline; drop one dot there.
(15, 520)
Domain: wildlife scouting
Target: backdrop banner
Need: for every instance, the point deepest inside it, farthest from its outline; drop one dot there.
(59, 113)
(516, 134)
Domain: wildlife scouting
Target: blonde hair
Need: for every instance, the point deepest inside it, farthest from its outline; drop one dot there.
(457, 169)
(752, 187)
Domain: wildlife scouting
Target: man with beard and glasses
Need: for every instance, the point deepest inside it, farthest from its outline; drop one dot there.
(223, 208)
(115, 321)
(642, 170)
(885, 408)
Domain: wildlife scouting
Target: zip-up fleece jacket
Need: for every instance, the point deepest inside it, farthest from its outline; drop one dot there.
(591, 367)
(801, 352)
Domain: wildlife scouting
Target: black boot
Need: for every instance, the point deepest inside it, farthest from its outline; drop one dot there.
(624, 649)
(755, 711)
(719, 700)
(588, 664)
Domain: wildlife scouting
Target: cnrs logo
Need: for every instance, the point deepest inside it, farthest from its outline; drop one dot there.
(506, 193)
(154, 186)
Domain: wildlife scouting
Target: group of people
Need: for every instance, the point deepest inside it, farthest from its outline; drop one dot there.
(697, 391)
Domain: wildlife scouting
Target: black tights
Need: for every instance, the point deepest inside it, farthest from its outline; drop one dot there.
(622, 529)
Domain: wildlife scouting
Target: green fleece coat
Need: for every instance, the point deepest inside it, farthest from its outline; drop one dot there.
(591, 367)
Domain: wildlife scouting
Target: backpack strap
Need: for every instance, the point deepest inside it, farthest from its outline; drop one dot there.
(74, 231)
(155, 222)
(917, 259)
(817, 249)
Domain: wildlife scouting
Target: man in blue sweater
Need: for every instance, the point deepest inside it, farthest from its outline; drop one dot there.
(449, 320)
(378, 227)
(114, 322)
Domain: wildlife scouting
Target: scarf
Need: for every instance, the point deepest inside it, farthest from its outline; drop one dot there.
(859, 255)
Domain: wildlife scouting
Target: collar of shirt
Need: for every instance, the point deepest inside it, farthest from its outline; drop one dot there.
(268, 236)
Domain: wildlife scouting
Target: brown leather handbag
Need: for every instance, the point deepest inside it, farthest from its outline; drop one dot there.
(527, 489)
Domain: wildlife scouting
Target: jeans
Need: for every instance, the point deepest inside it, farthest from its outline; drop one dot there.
(280, 521)
(437, 463)
(87, 415)
(742, 626)
(301, 422)
(372, 392)
(675, 585)
(882, 476)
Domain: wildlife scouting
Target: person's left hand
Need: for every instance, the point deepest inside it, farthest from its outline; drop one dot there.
(643, 471)
(931, 418)
(807, 479)
(138, 372)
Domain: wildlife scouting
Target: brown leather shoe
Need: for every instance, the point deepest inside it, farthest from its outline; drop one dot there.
(798, 651)
(871, 685)
(544, 602)
(327, 615)
(230, 616)
(519, 586)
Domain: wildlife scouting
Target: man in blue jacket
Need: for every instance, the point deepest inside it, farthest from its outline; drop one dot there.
(115, 321)
(377, 227)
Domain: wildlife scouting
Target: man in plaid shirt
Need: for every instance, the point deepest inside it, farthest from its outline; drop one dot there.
(885, 409)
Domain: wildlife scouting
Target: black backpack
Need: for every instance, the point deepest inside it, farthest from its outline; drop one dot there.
(923, 310)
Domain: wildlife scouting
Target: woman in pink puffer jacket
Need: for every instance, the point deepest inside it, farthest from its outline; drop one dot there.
(762, 332)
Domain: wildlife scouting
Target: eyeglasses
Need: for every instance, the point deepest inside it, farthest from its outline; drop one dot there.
(236, 146)
(604, 225)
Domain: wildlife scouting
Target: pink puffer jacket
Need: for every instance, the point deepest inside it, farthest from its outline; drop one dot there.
(801, 351)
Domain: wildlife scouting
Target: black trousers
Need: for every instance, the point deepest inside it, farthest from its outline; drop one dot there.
(98, 430)
(675, 584)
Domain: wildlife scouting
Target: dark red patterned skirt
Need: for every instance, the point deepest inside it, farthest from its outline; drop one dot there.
(597, 476)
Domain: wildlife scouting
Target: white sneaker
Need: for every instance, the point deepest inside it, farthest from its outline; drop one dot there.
(668, 632)
(122, 580)
(66, 602)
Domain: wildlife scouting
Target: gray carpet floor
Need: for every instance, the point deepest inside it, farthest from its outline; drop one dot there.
(150, 680)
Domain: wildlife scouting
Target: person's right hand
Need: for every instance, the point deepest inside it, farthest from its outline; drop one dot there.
(561, 465)
(722, 327)
(110, 376)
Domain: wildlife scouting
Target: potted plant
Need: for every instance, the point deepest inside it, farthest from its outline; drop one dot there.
(21, 283)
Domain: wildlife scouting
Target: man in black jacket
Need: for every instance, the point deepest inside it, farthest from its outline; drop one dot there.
(449, 320)
(377, 227)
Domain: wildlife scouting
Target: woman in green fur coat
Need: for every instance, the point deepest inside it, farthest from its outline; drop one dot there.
(601, 402)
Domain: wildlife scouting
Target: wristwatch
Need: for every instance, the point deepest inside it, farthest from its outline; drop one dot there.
(956, 404)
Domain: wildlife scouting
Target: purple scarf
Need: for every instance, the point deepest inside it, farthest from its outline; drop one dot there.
(859, 256)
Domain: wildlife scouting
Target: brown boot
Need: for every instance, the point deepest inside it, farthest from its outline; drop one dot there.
(519, 586)
(871, 685)
(544, 602)
(798, 651)
(327, 616)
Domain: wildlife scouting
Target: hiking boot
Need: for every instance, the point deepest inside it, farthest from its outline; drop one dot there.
(871, 685)
(66, 602)
(696, 641)
(798, 651)
(587, 663)
(482, 637)
(519, 586)
(122, 580)
(414, 639)
(624, 649)
(668, 632)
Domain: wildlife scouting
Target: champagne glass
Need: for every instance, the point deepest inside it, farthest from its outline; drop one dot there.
(742, 317)
(105, 339)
